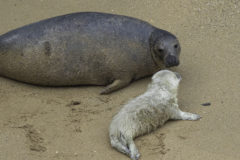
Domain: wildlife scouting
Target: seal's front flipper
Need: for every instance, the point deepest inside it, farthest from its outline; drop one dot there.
(117, 84)
(190, 116)
(178, 114)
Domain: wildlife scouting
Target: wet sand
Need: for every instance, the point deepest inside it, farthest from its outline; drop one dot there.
(43, 124)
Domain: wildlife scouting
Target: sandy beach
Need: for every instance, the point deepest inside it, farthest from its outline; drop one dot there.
(71, 123)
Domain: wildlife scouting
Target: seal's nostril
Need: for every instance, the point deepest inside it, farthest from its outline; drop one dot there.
(174, 61)
(171, 59)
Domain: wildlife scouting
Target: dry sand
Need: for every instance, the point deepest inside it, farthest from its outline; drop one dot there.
(38, 123)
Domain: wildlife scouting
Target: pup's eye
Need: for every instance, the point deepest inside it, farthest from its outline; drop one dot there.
(160, 50)
(175, 46)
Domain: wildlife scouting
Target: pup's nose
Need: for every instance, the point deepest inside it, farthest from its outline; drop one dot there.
(178, 75)
(171, 61)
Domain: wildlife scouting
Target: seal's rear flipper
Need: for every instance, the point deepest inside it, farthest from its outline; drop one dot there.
(134, 154)
(116, 143)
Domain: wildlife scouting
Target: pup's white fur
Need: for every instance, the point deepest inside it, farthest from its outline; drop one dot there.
(147, 112)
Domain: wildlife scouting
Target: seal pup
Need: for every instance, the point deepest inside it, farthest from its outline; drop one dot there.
(147, 112)
(86, 48)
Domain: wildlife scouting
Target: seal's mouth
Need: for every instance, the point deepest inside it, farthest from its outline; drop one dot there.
(171, 61)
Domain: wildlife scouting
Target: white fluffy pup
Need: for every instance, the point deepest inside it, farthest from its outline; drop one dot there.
(147, 112)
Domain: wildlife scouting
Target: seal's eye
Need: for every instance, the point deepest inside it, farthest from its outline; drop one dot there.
(160, 50)
(175, 46)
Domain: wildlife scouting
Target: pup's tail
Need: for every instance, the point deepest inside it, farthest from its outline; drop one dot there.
(125, 145)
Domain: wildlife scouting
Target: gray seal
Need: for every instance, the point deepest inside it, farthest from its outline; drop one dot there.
(86, 48)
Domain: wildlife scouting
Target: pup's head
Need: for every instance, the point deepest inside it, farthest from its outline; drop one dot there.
(165, 47)
(167, 79)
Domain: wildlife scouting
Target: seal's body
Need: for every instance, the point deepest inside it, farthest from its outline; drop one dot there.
(86, 49)
(147, 112)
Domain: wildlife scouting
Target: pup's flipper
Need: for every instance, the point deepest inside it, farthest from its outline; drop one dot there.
(116, 143)
(178, 114)
(134, 154)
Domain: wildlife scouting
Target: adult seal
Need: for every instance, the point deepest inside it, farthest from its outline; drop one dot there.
(86, 48)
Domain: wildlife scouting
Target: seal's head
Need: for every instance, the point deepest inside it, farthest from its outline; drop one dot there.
(164, 47)
(167, 79)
